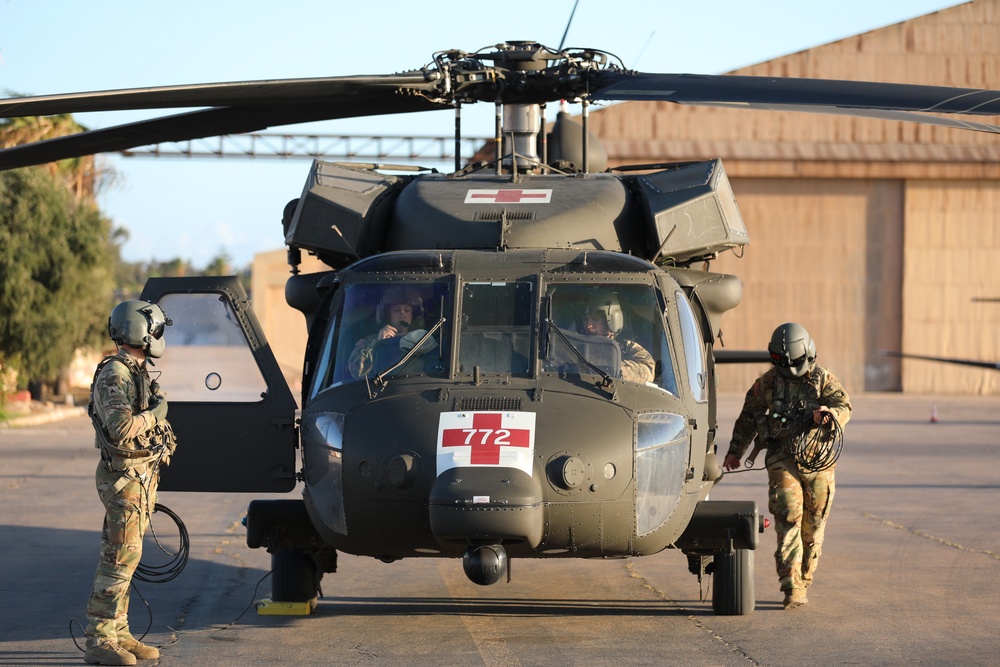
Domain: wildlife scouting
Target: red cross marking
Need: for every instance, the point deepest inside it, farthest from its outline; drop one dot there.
(486, 437)
(509, 196)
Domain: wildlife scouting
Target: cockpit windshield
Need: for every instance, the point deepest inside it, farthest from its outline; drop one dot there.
(615, 330)
(495, 327)
(607, 328)
(373, 328)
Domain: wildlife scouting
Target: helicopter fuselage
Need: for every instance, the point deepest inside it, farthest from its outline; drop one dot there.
(550, 392)
(503, 436)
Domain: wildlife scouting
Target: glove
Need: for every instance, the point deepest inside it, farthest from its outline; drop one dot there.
(159, 410)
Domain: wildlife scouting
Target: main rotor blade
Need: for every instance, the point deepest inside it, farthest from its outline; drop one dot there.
(366, 91)
(777, 91)
(878, 114)
(741, 356)
(946, 360)
(255, 105)
(196, 125)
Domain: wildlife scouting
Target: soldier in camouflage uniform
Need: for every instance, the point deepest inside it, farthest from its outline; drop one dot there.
(134, 437)
(604, 317)
(792, 400)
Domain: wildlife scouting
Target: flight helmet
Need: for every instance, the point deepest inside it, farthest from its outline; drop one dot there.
(398, 294)
(139, 324)
(604, 303)
(792, 350)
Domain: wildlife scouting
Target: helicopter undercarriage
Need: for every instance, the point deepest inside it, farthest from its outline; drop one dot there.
(719, 541)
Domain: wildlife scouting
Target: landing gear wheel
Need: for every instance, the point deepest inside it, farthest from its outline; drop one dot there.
(732, 583)
(294, 577)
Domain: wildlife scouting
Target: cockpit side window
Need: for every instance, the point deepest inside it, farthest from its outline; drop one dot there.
(617, 328)
(495, 327)
(694, 350)
(375, 325)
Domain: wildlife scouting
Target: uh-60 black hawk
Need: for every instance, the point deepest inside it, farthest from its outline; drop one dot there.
(547, 389)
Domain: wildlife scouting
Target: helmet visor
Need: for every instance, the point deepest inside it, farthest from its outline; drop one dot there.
(158, 321)
(783, 360)
(794, 368)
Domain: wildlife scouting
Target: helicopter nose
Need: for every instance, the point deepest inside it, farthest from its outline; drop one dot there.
(486, 505)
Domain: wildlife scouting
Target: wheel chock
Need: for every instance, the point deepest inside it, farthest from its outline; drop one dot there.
(268, 607)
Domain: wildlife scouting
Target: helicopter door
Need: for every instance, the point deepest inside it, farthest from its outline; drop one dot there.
(230, 408)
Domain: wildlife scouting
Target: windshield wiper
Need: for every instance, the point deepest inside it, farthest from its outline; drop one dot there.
(379, 380)
(606, 380)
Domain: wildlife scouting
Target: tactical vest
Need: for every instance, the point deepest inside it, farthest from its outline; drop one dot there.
(139, 449)
(790, 408)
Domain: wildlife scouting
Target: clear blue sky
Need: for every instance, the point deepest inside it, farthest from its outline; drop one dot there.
(195, 209)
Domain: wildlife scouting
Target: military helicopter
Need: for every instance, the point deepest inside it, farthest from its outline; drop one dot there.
(554, 393)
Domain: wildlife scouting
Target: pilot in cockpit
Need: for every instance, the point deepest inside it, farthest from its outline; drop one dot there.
(398, 315)
(604, 317)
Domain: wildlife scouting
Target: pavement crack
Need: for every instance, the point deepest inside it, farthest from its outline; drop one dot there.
(630, 567)
(361, 652)
(928, 536)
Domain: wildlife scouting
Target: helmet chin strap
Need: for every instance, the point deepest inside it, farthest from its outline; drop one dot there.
(136, 352)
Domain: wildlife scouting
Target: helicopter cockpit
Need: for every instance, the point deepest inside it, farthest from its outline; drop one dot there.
(613, 328)
(501, 327)
(354, 348)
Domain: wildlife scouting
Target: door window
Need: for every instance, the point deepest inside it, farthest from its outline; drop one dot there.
(207, 358)
(694, 350)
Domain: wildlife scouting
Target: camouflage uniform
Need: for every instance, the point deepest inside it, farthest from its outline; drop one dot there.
(637, 363)
(800, 500)
(127, 478)
(361, 362)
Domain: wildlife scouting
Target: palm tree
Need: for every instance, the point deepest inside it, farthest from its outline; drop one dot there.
(82, 175)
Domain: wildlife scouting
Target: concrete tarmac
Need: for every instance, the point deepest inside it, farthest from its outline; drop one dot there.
(910, 572)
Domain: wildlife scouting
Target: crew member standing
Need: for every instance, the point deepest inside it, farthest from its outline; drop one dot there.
(132, 432)
(790, 404)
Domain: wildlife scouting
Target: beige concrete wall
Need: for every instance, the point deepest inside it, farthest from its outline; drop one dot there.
(952, 243)
(284, 327)
(938, 182)
(826, 254)
(829, 254)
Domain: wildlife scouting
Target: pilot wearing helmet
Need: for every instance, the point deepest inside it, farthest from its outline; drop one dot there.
(792, 398)
(604, 317)
(132, 432)
(397, 315)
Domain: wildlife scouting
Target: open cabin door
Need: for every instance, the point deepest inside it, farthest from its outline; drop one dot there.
(230, 407)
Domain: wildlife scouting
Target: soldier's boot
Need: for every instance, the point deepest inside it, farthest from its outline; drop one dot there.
(138, 649)
(108, 652)
(795, 597)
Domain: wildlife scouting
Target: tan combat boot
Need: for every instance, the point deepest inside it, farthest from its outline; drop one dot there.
(795, 597)
(108, 652)
(138, 649)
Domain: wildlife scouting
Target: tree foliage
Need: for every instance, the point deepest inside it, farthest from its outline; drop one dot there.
(84, 176)
(57, 262)
(60, 266)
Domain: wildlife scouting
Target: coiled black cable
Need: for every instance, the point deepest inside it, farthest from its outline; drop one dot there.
(818, 446)
(155, 574)
(160, 574)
